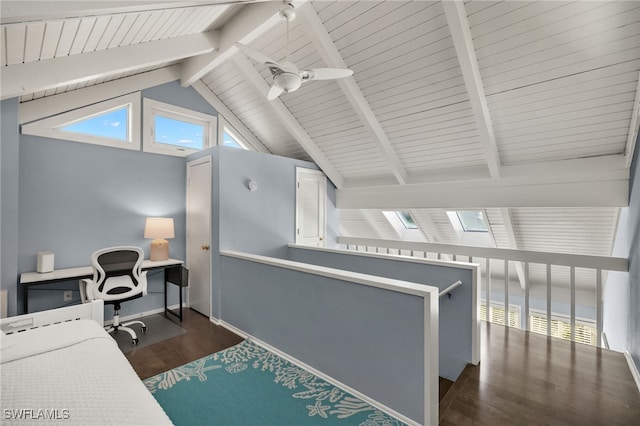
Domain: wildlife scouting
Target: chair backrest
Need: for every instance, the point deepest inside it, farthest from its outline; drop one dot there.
(117, 273)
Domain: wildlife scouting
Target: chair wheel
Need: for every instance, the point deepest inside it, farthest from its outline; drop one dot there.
(135, 341)
(144, 329)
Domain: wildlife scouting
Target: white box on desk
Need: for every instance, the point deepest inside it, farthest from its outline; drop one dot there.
(45, 262)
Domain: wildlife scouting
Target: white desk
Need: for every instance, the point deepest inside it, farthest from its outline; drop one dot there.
(29, 279)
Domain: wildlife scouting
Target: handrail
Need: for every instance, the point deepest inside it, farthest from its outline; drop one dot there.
(450, 288)
(565, 259)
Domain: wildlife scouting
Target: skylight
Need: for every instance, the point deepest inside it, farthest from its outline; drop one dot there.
(406, 219)
(472, 221)
(113, 125)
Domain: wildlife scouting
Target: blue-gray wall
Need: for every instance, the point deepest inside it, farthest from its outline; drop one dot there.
(455, 313)
(259, 222)
(9, 161)
(75, 198)
(634, 258)
(368, 338)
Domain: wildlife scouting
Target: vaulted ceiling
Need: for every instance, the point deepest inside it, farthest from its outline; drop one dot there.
(526, 110)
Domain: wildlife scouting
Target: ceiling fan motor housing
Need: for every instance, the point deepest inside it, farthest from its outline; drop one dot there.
(287, 81)
(288, 12)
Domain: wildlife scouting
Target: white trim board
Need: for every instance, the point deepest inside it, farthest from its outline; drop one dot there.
(634, 368)
(318, 373)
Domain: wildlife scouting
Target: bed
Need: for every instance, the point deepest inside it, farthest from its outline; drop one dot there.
(62, 366)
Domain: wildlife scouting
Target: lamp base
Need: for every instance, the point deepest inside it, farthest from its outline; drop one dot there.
(159, 249)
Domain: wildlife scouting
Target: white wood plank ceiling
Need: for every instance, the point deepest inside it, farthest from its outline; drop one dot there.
(524, 92)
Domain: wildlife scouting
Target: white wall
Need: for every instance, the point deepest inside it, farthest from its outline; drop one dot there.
(615, 315)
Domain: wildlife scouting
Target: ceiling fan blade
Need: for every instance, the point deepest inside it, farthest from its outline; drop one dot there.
(274, 92)
(326, 73)
(252, 53)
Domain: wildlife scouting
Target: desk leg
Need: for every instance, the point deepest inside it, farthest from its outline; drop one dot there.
(25, 299)
(165, 293)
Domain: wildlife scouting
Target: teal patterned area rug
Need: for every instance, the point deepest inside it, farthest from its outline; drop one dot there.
(249, 385)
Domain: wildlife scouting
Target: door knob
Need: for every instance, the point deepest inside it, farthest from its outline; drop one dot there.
(205, 247)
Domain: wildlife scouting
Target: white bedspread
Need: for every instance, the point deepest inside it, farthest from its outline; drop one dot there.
(72, 374)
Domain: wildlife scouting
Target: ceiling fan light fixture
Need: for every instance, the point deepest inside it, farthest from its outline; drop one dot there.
(287, 81)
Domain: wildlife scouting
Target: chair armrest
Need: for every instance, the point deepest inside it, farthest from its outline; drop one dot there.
(143, 282)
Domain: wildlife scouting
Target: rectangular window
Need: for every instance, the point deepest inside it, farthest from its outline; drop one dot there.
(178, 133)
(173, 130)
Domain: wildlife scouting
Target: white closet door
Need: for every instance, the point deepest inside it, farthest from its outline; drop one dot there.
(311, 196)
(199, 234)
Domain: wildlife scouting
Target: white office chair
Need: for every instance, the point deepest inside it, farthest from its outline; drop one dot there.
(117, 277)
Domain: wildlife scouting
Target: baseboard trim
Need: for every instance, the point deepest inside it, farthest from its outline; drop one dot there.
(215, 321)
(634, 368)
(144, 314)
(318, 373)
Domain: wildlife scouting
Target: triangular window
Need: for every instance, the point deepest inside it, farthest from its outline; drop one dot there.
(111, 125)
(115, 123)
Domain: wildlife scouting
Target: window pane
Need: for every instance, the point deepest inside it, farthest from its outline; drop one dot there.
(229, 139)
(112, 125)
(178, 133)
(472, 221)
(407, 220)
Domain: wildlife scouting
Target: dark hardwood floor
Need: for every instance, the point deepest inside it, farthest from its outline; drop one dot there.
(201, 339)
(530, 379)
(523, 379)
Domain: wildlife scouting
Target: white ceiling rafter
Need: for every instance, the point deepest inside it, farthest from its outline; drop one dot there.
(463, 43)
(366, 214)
(250, 23)
(228, 115)
(31, 77)
(331, 56)
(465, 50)
(287, 119)
(633, 128)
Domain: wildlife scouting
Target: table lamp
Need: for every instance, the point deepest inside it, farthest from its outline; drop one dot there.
(159, 228)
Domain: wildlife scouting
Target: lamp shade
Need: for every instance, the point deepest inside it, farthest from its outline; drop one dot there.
(159, 227)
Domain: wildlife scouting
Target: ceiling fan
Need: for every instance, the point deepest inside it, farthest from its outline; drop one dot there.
(286, 75)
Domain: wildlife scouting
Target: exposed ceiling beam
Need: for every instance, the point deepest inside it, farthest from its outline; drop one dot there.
(532, 192)
(31, 77)
(513, 243)
(287, 119)
(250, 23)
(40, 10)
(331, 56)
(66, 101)
(229, 116)
(633, 128)
(463, 43)
(424, 217)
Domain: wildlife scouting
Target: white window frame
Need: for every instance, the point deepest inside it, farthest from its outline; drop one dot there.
(152, 107)
(52, 127)
(223, 125)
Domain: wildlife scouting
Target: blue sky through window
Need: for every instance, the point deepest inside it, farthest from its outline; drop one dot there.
(112, 125)
(178, 133)
(229, 140)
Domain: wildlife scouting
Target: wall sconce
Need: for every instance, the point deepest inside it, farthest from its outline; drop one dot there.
(252, 185)
(159, 228)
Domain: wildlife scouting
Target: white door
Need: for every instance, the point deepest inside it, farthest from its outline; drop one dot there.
(311, 195)
(199, 234)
